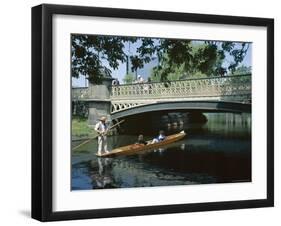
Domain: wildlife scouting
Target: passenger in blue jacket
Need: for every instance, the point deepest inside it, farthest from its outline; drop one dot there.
(160, 137)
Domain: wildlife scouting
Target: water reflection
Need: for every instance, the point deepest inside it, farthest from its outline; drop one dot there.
(104, 177)
(216, 152)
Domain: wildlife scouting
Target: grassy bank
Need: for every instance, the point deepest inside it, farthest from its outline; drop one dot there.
(81, 129)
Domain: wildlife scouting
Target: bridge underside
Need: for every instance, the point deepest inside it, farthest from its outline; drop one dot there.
(204, 106)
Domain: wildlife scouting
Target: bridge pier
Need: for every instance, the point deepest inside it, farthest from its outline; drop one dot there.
(97, 109)
(99, 103)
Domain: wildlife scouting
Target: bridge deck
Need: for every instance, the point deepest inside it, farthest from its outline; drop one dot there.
(232, 89)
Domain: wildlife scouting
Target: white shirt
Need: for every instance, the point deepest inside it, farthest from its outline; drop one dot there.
(140, 80)
(101, 127)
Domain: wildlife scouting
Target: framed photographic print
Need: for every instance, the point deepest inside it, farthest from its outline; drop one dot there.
(131, 105)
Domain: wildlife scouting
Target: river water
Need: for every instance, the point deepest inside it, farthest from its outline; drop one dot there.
(218, 151)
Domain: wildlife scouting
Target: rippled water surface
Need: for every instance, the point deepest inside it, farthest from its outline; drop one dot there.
(216, 152)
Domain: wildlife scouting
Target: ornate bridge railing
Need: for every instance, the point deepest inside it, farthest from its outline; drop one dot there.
(228, 88)
(190, 88)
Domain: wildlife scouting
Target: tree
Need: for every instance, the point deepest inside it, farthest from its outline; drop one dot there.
(241, 70)
(89, 53)
(200, 58)
(128, 78)
(201, 64)
(173, 73)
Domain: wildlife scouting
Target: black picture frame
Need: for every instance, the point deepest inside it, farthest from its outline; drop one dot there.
(42, 111)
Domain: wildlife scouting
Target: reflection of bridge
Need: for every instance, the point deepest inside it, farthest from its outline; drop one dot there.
(229, 93)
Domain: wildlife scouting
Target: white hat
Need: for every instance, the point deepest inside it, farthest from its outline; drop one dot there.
(139, 76)
(102, 118)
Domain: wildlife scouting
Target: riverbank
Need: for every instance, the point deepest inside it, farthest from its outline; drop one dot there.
(80, 129)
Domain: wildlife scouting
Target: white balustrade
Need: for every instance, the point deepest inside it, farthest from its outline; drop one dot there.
(205, 87)
(230, 88)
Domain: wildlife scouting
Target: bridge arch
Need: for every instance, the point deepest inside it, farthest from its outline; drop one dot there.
(204, 106)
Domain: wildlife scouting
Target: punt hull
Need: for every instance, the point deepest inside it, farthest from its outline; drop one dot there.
(138, 148)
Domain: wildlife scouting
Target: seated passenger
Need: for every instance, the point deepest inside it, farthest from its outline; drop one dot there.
(161, 137)
(141, 140)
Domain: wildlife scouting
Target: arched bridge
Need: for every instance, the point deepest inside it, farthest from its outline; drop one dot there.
(228, 93)
(206, 106)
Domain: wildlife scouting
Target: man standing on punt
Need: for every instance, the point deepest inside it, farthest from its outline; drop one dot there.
(101, 128)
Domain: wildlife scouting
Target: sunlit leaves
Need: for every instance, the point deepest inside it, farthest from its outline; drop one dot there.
(177, 58)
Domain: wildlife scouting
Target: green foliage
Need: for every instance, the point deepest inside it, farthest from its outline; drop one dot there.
(238, 55)
(173, 73)
(177, 58)
(80, 127)
(88, 51)
(204, 58)
(80, 109)
(198, 74)
(202, 63)
(155, 77)
(128, 78)
(241, 70)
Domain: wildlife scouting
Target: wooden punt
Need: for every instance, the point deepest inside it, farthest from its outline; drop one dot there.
(137, 148)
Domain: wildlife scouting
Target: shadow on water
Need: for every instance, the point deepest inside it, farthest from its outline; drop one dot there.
(218, 151)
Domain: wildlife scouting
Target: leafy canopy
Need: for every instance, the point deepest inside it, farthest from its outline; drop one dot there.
(177, 58)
